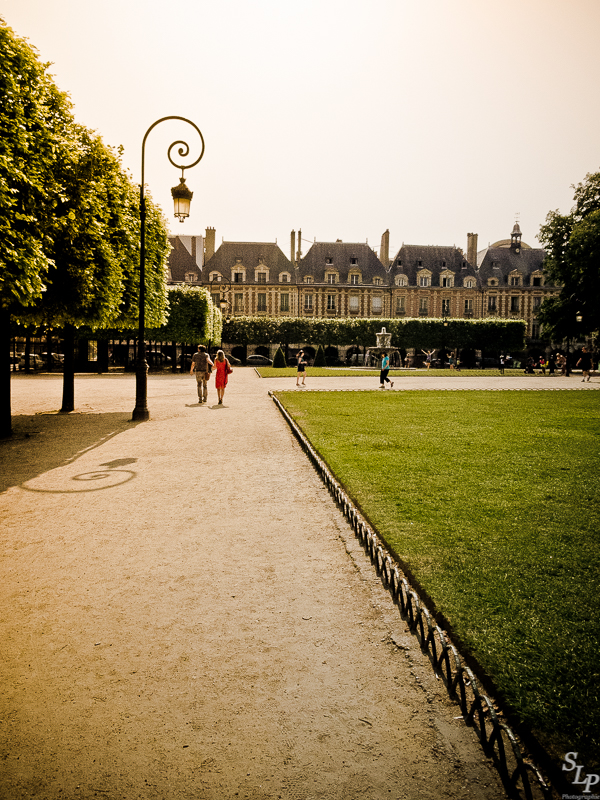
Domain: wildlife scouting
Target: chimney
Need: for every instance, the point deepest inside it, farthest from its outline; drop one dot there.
(384, 252)
(293, 247)
(472, 249)
(299, 253)
(209, 244)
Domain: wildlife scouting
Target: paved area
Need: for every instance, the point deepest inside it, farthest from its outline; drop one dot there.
(186, 614)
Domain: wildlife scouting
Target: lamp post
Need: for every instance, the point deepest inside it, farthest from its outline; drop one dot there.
(181, 200)
(222, 286)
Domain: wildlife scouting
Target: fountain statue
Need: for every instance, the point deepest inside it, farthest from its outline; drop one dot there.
(384, 345)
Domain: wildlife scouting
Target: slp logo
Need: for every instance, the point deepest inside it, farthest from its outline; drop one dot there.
(571, 764)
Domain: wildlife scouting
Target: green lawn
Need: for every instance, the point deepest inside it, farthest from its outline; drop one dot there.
(344, 372)
(491, 500)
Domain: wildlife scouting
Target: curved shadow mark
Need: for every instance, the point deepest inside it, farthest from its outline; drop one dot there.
(89, 476)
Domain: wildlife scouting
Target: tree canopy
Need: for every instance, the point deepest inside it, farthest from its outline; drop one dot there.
(572, 244)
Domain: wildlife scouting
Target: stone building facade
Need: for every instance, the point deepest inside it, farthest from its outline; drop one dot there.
(342, 279)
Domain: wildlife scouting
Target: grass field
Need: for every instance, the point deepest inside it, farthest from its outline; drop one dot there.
(491, 500)
(354, 372)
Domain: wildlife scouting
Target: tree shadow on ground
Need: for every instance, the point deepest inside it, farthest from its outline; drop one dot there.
(42, 442)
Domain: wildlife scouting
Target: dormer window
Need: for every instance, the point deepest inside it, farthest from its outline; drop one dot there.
(377, 281)
(447, 281)
(191, 277)
(401, 280)
(261, 277)
(515, 280)
(469, 283)
(308, 279)
(215, 276)
(284, 277)
(419, 263)
(354, 279)
(238, 277)
(424, 280)
(492, 282)
(354, 260)
(331, 277)
(329, 260)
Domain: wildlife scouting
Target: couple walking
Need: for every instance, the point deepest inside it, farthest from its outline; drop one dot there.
(203, 366)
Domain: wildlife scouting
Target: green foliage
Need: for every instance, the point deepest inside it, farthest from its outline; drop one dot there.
(320, 357)
(503, 534)
(35, 122)
(488, 334)
(279, 359)
(572, 243)
(190, 316)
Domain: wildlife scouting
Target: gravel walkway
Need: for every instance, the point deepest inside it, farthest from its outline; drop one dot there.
(186, 614)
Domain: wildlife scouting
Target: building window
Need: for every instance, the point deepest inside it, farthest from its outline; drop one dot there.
(215, 298)
(468, 306)
(446, 306)
(447, 282)
(238, 302)
(423, 280)
(515, 280)
(354, 260)
(215, 276)
(308, 302)
(308, 279)
(514, 304)
(377, 281)
(493, 282)
(399, 263)
(492, 303)
(537, 302)
(423, 307)
(331, 278)
(354, 303)
(284, 304)
(401, 280)
(354, 280)
(537, 281)
(401, 305)
(376, 304)
(535, 330)
(329, 260)
(419, 263)
(468, 284)
(238, 277)
(284, 277)
(191, 277)
(261, 301)
(261, 277)
(330, 302)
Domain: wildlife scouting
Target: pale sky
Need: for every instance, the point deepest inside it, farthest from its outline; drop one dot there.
(432, 118)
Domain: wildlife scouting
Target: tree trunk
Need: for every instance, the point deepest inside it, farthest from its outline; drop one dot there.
(68, 398)
(5, 413)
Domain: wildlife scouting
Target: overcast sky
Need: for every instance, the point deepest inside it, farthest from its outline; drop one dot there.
(432, 118)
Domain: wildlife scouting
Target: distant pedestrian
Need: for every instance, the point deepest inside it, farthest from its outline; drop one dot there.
(551, 364)
(561, 362)
(501, 365)
(301, 359)
(385, 368)
(585, 362)
(428, 356)
(542, 365)
(223, 368)
(201, 366)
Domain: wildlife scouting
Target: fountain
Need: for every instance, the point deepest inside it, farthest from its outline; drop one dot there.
(384, 345)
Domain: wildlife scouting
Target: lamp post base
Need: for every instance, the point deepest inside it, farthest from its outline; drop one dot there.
(141, 412)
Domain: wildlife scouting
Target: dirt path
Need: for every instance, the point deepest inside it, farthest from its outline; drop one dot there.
(186, 614)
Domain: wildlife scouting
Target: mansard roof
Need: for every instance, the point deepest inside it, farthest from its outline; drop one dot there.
(250, 256)
(412, 258)
(339, 256)
(181, 261)
(499, 262)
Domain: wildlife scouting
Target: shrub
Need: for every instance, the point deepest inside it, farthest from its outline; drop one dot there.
(279, 359)
(320, 358)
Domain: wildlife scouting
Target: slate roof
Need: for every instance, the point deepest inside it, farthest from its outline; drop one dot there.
(315, 263)
(411, 258)
(499, 262)
(180, 261)
(250, 255)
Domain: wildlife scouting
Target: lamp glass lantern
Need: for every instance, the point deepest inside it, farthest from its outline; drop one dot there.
(579, 316)
(182, 197)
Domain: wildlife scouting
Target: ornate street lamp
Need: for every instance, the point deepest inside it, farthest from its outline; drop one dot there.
(181, 199)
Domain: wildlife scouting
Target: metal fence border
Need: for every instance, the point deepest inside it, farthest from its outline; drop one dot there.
(520, 776)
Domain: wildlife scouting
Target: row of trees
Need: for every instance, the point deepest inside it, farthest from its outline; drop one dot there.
(69, 219)
(492, 335)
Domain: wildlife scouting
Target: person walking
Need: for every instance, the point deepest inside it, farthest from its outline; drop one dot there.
(201, 366)
(585, 362)
(385, 368)
(223, 368)
(301, 359)
(501, 365)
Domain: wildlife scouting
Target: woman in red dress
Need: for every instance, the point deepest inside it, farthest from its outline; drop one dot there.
(223, 368)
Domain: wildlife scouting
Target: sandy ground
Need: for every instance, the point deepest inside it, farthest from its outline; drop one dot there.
(184, 613)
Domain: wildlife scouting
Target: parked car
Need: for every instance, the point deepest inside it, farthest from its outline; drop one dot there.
(235, 362)
(257, 360)
(157, 359)
(57, 360)
(35, 362)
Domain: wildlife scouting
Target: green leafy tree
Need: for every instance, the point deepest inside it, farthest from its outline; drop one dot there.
(572, 244)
